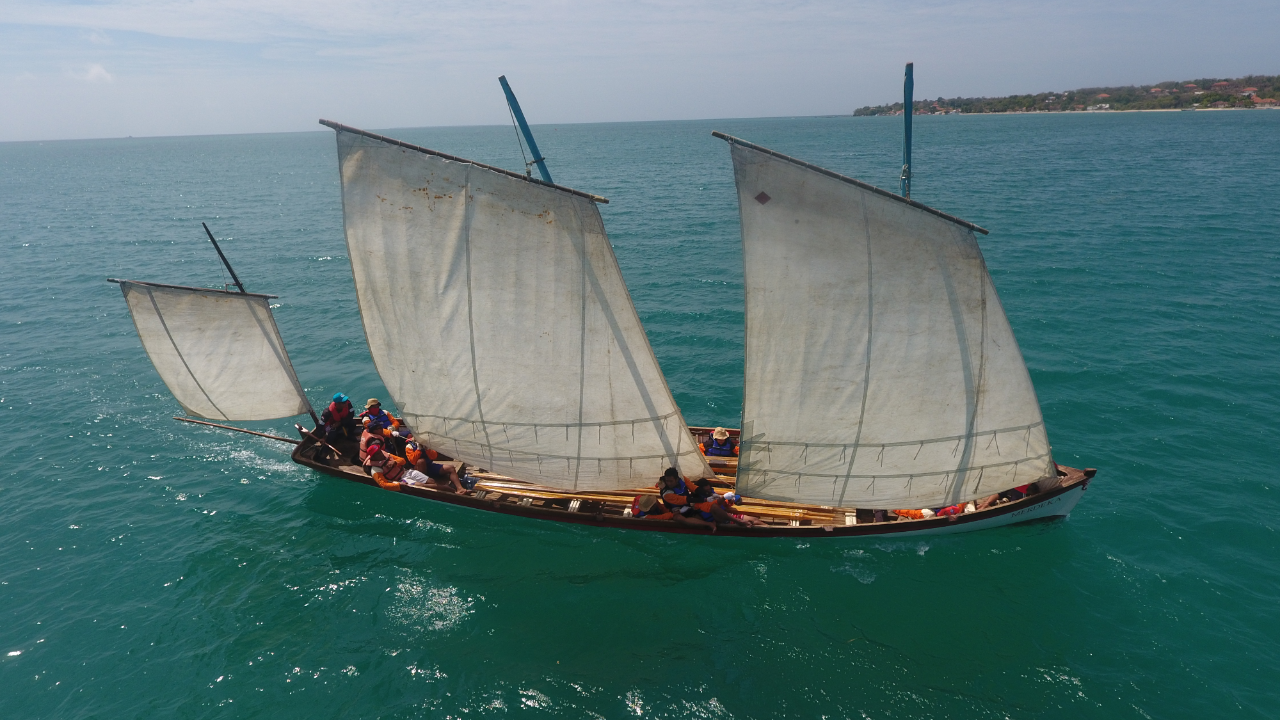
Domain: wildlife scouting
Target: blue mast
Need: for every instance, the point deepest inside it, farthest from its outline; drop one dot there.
(908, 87)
(524, 129)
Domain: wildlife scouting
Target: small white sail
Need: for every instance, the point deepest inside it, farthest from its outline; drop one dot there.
(219, 352)
(498, 319)
(881, 371)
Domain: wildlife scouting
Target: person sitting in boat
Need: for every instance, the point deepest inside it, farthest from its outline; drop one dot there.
(674, 492)
(386, 469)
(955, 510)
(650, 506)
(423, 460)
(731, 500)
(719, 444)
(391, 471)
(339, 420)
(1010, 495)
(380, 424)
(712, 506)
(376, 420)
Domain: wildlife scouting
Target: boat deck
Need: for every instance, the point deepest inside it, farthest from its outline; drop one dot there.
(497, 493)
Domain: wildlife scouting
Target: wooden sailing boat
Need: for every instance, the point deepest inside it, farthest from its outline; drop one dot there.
(881, 372)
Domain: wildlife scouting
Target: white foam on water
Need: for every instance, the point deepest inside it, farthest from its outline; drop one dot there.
(421, 607)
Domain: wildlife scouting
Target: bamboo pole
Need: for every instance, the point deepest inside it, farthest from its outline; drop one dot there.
(291, 441)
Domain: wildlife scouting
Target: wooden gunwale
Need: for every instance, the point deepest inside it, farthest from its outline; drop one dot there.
(593, 505)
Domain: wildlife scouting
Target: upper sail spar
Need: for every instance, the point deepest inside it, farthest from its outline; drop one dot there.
(498, 319)
(881, 371)
(220, 353)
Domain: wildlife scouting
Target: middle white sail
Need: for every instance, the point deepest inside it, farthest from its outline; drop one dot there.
(499, 321)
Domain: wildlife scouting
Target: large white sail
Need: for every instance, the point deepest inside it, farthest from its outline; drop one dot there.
(499, 321)
(881, 371)
(219, 352)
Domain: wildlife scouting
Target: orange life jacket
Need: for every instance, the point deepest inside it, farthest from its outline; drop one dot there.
(365, 438)
(414, 454)
(390, 467)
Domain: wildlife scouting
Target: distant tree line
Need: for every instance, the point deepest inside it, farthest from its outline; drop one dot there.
(1249, 91)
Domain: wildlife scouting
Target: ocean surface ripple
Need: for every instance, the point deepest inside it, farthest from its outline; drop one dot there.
(150, 568)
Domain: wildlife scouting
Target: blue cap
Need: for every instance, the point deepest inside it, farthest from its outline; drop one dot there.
(339, 397)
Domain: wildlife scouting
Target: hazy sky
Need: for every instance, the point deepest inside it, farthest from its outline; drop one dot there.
(109, 68)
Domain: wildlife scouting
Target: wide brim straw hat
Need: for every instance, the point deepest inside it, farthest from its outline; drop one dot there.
(371, 403)
(720, 434)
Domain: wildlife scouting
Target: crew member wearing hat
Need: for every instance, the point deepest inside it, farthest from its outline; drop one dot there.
(719, 444)
(379, 423)
(392, 471)
(649, 506)
(339, 419)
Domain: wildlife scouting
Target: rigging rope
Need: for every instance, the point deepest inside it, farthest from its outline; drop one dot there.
(528, 171)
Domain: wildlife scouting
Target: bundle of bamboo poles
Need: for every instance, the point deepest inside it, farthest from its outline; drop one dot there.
(769, 510)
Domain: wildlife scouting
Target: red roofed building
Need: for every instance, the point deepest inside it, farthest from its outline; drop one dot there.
(1221, 84)
(1103, 96)
(1264, 101)
(1192, 86)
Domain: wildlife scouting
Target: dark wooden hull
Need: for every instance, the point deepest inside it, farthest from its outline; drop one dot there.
(516, 498)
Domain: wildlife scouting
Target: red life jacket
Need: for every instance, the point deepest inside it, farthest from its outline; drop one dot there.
(339, 412)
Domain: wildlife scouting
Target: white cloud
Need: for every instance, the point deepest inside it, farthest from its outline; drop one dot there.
(93, 73)
(209, 66)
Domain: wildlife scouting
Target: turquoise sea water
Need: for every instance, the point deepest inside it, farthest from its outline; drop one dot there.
(150, 568)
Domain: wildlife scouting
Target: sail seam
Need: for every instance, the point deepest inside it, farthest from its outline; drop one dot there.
(276, 343)
(582, 354)
(471, 321)
(904, 443)
(881, 476)
(866, 376)
(160, 316)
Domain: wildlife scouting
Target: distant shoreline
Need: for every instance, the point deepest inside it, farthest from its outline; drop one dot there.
(1249, 92)
(1079, 112)
(1062, 112)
